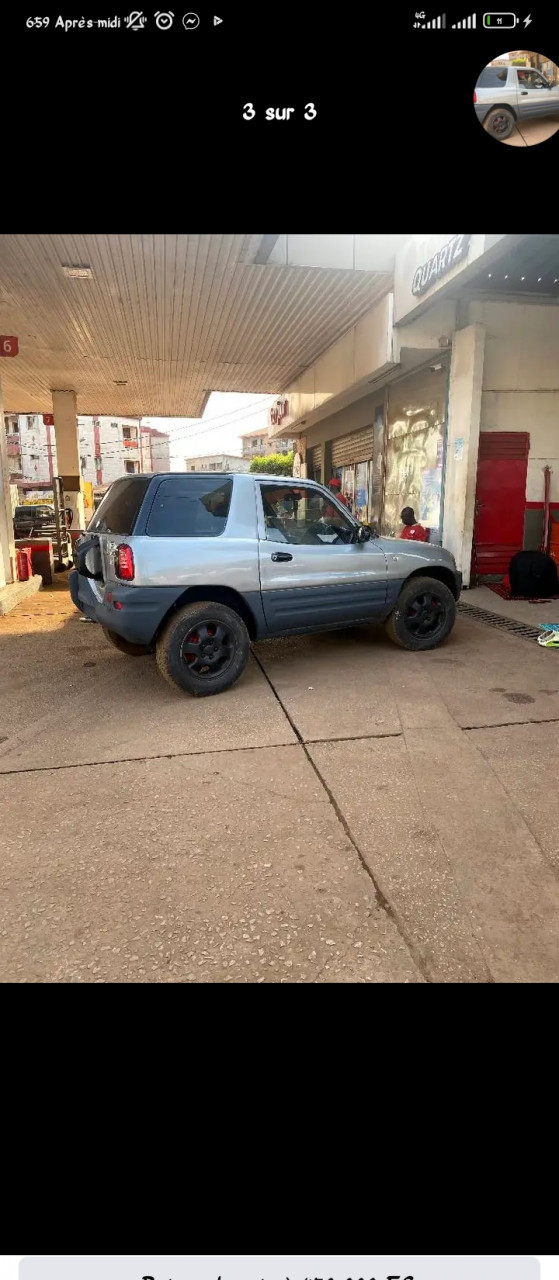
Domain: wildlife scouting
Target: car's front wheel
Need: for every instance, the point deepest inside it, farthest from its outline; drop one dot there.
(424, 616)
(203, 649)
(499, 123)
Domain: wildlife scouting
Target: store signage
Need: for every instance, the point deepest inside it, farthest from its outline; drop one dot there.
(48, 419)
(439, 264)
(279, 411)
(8, 346)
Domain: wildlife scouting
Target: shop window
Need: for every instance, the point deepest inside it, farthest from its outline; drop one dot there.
(355, 488)
(414, 451)
(303, 517)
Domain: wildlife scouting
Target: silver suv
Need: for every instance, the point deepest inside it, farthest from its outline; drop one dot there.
(194, 567)
(506, 94)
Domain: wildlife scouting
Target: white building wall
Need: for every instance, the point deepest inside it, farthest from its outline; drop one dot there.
(114, 452)
(367, 349)
(34, 447)
(464, 410)
(521, 382)
(161, 453)
(217, 462)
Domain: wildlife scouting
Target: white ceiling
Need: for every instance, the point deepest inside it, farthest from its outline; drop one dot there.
(174, 316)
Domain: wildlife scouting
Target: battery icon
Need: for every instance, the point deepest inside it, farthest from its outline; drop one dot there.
(500, 20)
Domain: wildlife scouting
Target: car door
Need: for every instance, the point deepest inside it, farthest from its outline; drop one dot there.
(535, 98)
(312, 571)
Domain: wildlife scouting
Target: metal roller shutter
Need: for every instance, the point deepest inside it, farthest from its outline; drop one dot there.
(314, 459)
(354, 448)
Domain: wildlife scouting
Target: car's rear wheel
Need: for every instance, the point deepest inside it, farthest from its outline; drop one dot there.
(424, 615)
(126, 646)
(499, 123)
(203, 649)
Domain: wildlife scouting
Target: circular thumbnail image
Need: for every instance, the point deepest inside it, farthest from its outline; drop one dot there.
(516, 98)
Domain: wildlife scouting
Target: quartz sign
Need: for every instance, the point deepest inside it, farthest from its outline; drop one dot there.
(439, 264)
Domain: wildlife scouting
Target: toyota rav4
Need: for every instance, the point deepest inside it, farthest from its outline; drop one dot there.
(194, 567)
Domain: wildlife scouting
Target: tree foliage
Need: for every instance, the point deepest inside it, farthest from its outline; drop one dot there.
(276, 464)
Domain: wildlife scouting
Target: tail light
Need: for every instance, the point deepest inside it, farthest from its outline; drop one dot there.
(124, 562)
(475, 96)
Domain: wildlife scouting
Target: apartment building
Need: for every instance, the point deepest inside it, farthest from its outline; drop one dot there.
(257, 445)
(109, 448)
(217, 462)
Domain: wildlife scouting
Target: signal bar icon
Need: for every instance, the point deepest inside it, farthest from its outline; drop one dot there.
(439, 22)
(466, 22)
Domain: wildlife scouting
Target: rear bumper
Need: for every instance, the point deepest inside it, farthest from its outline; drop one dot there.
(142, 608)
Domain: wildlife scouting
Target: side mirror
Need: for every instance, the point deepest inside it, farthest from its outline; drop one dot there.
(363, 534)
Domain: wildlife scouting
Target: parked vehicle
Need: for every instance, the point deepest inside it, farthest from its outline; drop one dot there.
(30, 519)
(506, 94)
(194, 568)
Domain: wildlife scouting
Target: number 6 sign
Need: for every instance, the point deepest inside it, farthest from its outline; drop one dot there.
(8, 346)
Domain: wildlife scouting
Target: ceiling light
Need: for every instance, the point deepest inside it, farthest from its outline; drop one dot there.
(506, 277)
(539, 279)
(523, 277)
(77, 272)
(489, 275)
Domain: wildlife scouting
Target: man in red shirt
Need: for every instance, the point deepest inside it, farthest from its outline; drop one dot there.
(335, 485)
(411, 530)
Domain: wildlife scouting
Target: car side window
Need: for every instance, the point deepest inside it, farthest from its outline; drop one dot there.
(193, 507)
(531, 80)
(303, 517)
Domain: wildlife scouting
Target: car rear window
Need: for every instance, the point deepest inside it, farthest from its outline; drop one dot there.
(195, 507)
(118, 511)
(493, 78)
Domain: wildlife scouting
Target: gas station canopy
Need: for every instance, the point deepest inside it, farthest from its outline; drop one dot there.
(150, 325)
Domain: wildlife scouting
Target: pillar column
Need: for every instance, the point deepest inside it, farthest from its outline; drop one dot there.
(64, 408)
(7, 547)
(300, 453)
(464, 414)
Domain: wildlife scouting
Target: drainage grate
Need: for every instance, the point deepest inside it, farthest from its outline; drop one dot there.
(502, 624)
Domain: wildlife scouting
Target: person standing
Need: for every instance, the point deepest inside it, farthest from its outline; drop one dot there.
(412, 530)
(336, 488)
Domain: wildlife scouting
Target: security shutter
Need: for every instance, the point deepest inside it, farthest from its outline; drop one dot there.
(314, 460)
(354, 448)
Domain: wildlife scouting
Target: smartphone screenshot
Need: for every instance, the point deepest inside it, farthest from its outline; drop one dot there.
(384, 108)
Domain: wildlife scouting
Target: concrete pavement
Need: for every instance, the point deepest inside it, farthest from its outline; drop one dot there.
(527, 133)
(348, 812)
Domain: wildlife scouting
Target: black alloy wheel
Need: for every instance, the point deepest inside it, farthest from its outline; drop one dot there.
(208, 649)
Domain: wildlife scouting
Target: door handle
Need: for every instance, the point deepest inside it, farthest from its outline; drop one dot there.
(523, 93)
(281, 555)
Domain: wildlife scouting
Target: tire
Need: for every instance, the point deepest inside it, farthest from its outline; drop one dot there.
(416, 623)
(201, 626)
(499, 123)
(126, 646)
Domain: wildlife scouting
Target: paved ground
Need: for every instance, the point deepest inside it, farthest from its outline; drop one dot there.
(529, 132)
(521, 610)
(347, 813)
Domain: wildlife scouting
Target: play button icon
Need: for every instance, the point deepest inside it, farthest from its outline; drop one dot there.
(217, 21)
